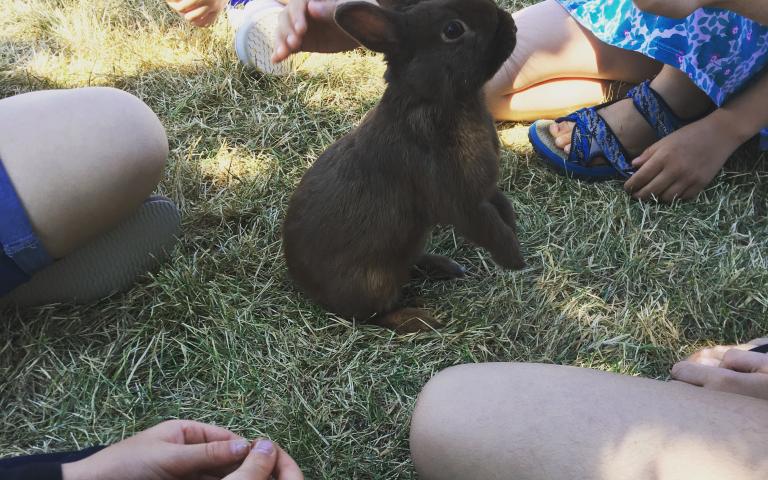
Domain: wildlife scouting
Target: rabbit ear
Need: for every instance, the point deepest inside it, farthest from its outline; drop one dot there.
(372, 26)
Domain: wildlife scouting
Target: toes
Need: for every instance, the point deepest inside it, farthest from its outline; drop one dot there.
(563, 135)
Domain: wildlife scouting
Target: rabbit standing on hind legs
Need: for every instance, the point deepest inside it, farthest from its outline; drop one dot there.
(428, 154)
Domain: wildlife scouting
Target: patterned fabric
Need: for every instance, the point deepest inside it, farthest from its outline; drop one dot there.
(592, 138)
(654, 109)
(719, 50)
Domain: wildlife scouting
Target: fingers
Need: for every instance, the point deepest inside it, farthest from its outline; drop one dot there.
(653, 180)
(297, 12)
(711, 357)
(207, 457)
(722, 379)
(186, 432)
(691, 192)
(322, 10)
(674, 192)
(745, 361)
(259, 464)
(714, 356)
(196, 432)
(656, 186)
(200, 13)
(205, 20)
(184, 6)
(286, 468)
(712, 378)
(695, 373)
(286, 37)
(642, 159)
(643, 176)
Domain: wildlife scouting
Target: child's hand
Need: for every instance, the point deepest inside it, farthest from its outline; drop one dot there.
(179, 449)
(308, 26)
(727, 369)
(200, 13)
(682, 164)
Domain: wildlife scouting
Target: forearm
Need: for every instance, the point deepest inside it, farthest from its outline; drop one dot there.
(747, 113)
(756, 10)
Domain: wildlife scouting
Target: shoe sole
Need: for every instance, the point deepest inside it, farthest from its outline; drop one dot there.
(109, 264)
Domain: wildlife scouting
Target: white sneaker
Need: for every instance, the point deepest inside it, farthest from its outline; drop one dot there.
(255, 41)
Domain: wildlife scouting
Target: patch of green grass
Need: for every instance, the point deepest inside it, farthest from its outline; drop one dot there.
(221, 335)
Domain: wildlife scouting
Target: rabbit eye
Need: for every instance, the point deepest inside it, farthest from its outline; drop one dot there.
(453, 30)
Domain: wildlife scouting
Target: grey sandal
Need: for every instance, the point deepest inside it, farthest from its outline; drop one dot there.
(109, 264)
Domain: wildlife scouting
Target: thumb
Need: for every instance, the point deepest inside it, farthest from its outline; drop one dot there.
(321, 10)
(212, 455)
(258, 465)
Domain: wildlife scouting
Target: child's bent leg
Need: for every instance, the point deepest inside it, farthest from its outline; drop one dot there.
(528, 421)
(551, 46)
(80, 160)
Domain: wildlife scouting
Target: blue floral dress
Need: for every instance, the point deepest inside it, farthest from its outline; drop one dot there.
(721, 51)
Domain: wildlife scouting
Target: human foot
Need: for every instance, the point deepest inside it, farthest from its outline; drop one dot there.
(606, 138)
(632, 130)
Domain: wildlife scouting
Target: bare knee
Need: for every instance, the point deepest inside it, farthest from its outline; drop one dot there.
(142, 159)
(80, 159)
(474, 421)
(436, 432)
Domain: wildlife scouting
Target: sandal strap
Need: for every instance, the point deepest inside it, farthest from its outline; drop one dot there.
(592, 137)
(655, 110)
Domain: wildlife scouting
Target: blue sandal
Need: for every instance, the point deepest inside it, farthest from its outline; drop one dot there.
(592, 138)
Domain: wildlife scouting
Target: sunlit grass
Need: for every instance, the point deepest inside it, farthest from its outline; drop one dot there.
(221, 335)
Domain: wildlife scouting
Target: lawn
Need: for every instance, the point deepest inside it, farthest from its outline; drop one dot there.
(221, 335)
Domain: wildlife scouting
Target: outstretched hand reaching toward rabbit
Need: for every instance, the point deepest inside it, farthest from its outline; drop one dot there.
(309, 26)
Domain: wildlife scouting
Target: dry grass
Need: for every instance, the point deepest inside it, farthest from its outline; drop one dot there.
(220, 334)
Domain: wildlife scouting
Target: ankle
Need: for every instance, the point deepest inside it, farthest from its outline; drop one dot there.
(685, 99)
(630, 127)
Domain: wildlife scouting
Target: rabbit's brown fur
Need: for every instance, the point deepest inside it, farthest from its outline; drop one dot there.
(428, 154)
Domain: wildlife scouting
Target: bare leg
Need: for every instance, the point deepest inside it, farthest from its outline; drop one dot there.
(528, 421)
(81, 160)
(566, 52)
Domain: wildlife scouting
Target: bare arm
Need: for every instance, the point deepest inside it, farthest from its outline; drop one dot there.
(747, 113)
(689, 158)
(756, 10)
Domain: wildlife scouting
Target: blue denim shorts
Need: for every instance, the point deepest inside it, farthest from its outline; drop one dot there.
(22, 254)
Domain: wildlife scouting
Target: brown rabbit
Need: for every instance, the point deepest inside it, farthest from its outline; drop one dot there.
(428, 154)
